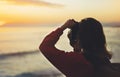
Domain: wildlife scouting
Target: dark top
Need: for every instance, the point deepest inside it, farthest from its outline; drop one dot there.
(71, 64)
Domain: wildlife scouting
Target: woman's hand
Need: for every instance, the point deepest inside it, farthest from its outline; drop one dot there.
(69, 24)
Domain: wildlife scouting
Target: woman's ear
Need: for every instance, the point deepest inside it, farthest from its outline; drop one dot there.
(76, 46)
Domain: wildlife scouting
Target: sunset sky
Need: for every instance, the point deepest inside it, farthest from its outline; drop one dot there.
(57, 11)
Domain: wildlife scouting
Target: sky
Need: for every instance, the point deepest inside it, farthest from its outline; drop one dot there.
(57, 11)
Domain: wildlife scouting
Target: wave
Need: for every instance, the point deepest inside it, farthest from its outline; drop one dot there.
(49, 72)
(43, 73)
(22, 53)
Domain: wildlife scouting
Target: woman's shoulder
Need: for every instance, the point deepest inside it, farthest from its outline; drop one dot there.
(77, 57)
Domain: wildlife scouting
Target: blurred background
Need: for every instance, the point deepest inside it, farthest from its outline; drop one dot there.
(25, 23)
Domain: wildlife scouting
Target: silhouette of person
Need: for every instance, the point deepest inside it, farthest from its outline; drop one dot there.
(93, 44)
(89, 58)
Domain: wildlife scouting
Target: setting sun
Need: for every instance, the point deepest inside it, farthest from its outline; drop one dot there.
(40, 11)
(2, 23)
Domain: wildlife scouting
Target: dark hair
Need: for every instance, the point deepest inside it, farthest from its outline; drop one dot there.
(91, 34)
(73, 33)
(92, 40)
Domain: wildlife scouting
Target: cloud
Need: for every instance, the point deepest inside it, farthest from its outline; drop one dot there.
(36, 2)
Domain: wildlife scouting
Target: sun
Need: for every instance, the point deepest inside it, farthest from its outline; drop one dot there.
(2, 23)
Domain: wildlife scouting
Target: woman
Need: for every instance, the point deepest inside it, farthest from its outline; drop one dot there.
(90, 56)
(93, 44)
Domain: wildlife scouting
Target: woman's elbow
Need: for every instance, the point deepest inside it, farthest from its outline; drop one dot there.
(42, 47)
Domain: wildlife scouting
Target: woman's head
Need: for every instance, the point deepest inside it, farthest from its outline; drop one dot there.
(91, 34)
(89, 31)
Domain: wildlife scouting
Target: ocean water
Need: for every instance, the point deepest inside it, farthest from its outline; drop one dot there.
(20, 56)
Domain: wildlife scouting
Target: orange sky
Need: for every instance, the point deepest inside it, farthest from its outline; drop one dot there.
(57, 11)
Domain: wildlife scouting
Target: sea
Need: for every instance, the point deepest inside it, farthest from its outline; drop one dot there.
(20, 55)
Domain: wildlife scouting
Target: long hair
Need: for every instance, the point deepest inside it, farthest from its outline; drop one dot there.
(91, 34)
(92, 40)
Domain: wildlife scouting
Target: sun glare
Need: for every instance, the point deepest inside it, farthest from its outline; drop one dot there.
(2, 23)
(29, 11)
